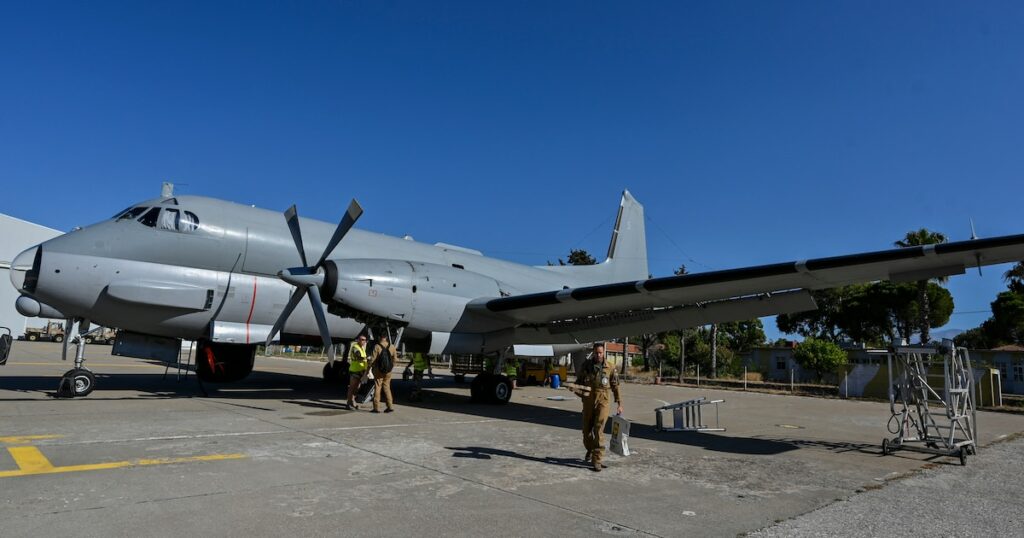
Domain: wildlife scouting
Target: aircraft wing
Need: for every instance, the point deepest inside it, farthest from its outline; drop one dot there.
(734, 291)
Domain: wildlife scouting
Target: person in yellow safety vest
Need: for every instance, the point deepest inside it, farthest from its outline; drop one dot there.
(512, 370)
(420, 362)
(356, 368)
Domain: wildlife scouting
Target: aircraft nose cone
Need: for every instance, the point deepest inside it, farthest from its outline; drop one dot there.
(24, 270)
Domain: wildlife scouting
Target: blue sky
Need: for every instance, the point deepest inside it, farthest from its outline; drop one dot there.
(753, 132)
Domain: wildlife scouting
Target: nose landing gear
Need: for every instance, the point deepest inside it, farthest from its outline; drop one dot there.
(78, 381)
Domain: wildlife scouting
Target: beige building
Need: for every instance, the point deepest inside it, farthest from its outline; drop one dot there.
(17, 235)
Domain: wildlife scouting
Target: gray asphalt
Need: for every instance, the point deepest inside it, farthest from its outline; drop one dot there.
(441, 467)
(986, 498)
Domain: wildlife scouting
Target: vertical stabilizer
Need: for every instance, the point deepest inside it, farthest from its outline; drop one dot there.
(627, 251)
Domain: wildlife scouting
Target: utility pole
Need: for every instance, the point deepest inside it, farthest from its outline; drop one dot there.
(682, 356)
(625, 355)
(714, 351)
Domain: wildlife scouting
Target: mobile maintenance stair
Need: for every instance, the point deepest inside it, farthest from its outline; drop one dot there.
(688, 416)
(932, 412)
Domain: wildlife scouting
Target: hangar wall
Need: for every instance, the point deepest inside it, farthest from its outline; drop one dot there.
(17, 235)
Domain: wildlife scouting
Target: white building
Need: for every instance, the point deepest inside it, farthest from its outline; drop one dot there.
(17, 235)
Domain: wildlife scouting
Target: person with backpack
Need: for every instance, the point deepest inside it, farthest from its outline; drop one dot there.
(382, 361)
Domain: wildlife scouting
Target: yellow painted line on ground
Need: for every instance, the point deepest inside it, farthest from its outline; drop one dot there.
(32, 462)
(22, 439)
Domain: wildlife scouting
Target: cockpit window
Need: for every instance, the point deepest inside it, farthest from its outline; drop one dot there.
(131, 213)
(177, 221)
(189, 222)
(149, 219)
(169, 219)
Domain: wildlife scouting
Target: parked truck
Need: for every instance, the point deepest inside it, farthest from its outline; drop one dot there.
(102, 335)
(54, 332)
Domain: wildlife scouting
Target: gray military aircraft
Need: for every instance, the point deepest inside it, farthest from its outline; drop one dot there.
(232, 277)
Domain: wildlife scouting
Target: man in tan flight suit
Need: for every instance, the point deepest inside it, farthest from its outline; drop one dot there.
(382, 376)
(596, 382)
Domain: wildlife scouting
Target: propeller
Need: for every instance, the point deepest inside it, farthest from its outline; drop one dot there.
(308, 279)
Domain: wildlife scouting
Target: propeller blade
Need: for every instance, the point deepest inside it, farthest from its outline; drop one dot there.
(293, 301)
(292, 216)
(351, 216)
(318, 310)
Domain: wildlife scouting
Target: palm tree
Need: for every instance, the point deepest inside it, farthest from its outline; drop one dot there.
(1015, 277)
(918, 238)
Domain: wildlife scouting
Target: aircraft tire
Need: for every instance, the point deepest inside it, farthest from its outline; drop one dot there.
(478, 388)
(81, 381)
(499, 390)
(333, 374)
(329, 374)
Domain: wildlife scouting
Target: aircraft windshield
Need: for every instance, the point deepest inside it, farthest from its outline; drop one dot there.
(177, 220)
(131, 213)
(150, 217)
(168, 218)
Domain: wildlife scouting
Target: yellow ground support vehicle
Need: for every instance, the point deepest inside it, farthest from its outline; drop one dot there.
(534, 372)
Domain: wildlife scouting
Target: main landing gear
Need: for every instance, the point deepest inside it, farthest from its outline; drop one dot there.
(491, 388)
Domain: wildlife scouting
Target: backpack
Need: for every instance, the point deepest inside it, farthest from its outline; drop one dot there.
(384, 361)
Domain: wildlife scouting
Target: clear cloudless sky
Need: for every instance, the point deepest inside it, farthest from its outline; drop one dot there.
(753, 132)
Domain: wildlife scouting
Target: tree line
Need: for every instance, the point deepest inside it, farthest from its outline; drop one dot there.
(1006, 325)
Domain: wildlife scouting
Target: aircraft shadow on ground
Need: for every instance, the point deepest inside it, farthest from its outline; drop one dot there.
(313, 392)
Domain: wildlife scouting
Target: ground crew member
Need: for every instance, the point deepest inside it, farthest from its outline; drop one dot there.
(420, 362)
(356, 368)
(382, 375)
(512, 370)
(596, 383)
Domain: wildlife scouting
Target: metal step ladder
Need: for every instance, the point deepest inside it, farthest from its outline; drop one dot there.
(688, 416)
(931, 412)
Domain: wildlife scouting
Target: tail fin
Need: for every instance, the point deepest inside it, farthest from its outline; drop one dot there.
(627, 251)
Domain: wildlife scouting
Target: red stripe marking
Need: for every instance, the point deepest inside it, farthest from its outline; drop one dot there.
(252, 306)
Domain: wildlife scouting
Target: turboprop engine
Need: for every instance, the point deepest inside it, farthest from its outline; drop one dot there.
(428, 296)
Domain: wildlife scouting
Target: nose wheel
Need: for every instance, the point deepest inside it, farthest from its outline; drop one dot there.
(76, 383)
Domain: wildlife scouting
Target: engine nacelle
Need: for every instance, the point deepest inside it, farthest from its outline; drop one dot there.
(425, 296)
